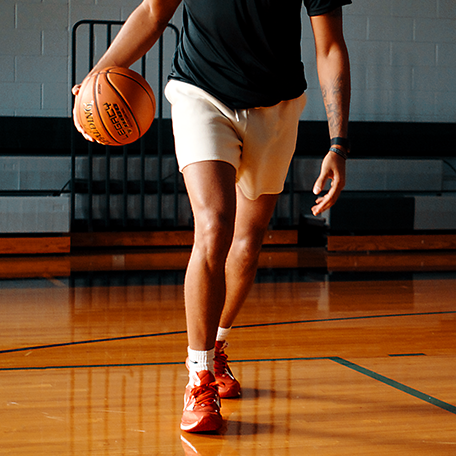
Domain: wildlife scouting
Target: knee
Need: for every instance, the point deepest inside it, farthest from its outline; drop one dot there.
(214, 235)
(247, 248)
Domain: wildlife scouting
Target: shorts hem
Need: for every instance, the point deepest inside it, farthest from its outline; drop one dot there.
(181, 169)
(254, 196)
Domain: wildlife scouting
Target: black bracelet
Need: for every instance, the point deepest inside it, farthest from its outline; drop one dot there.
(343, 142)
(339, 152)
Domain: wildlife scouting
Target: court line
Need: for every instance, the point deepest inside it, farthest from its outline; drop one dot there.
(254, 325)
(393, 383)
(398, 355)
(87, 366)
(365, 317)
(90, 341)
(167, 363)
(343, 362)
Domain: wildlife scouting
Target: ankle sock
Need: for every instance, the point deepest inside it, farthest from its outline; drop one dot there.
(222, 334)
(199, 360)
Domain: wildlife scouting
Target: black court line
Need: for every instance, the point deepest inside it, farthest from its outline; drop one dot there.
(91, 341)
(167, 363)
(398, 355)
(364, 317)
(343, 362)
(254, 325)
(87, 366)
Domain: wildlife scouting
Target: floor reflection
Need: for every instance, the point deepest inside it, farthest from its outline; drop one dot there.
(91, 363)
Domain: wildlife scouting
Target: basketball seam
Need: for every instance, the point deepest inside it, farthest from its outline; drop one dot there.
(126, 101)
(95, 97)
(112, 71)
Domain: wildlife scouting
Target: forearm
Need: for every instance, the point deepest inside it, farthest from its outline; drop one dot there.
(334, 75)
(333, 70)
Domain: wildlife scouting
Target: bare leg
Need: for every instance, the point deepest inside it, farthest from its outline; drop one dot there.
(211, 189)
(252, 220)
(229, 233)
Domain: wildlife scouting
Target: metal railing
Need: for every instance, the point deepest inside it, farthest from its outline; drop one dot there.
(86, 185)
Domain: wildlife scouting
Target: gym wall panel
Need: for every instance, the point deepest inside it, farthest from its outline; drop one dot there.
(54, 97)
(34, 173)
(414, 8)
(435, 212)
(35, 214)
(17, 42)
(447, 8)
(7, 17)
(55, 42)
(20, 96)
(393, 29)
(439, 30)
(7, 68)
(41, 69)
(412, 54)
(41, 16)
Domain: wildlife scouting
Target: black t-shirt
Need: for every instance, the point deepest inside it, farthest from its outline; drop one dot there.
(247, 53)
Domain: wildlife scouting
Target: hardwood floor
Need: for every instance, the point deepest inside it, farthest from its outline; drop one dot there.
(337, 354)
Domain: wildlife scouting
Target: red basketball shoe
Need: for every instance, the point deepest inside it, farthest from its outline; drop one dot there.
(201, 404)
(228, 386)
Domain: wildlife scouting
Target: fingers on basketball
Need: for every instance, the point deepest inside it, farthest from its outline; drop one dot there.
(115, 106)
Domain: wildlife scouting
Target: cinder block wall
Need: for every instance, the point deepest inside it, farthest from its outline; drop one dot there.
(403, 61)
(403, 57)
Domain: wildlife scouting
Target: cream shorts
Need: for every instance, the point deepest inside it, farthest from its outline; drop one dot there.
(258, 142)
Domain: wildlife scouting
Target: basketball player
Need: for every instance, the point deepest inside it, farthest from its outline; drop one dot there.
(237, 90)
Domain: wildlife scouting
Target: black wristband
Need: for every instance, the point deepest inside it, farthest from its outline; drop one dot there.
(343, 142)
(339, 152)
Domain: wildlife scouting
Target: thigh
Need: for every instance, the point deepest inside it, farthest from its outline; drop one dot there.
(212, 192)
(253, 216)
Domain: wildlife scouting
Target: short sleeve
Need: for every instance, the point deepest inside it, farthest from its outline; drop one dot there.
(317, 7)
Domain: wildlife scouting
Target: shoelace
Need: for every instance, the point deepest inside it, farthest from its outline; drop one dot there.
(220, 363)
(206, 393)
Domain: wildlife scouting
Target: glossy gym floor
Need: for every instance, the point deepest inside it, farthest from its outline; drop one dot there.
(337, 354)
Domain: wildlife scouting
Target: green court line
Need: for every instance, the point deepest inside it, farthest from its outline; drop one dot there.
(399, 386)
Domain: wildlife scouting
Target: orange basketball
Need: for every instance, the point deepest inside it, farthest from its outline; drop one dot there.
(115, 106)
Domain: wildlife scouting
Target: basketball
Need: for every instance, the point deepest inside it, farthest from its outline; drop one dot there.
(115, 106)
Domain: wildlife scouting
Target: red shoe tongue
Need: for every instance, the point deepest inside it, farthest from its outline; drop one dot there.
(206, 377)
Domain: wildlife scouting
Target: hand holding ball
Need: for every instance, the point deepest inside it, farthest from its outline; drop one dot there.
(115, 106)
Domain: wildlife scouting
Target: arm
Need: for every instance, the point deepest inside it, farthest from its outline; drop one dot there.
(139, 33)
(334, 75)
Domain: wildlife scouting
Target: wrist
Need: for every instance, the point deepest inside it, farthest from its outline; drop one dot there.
(340, 146)
(342, 142)
(339, 151)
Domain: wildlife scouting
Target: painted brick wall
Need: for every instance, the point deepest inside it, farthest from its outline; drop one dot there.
(403, 61)
(403, 57)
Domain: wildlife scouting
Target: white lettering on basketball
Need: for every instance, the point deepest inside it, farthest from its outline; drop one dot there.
(117, 117)
(88, 112)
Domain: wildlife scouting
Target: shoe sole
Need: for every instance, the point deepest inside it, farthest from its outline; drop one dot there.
(230, 394)
(207, 423)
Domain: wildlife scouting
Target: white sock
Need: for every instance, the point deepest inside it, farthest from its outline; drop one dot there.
(199, 360)
(222, 334)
